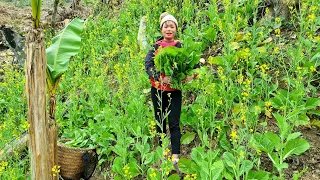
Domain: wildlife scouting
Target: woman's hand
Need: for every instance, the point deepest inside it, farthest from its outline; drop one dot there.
(165, 80)
(188, 79)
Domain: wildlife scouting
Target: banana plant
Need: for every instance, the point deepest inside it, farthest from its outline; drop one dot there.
(65, 45)
(36, 12)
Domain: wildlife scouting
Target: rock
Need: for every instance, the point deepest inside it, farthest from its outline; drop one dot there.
(16, 44)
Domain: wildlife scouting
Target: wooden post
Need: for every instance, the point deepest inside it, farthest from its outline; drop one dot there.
(37, 115)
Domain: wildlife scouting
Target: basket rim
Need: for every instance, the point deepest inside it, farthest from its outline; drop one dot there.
(60, 143)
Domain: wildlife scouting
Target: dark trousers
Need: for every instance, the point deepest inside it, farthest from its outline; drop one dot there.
(164, 103)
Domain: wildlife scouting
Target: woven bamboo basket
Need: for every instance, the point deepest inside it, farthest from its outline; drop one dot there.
(76, 163)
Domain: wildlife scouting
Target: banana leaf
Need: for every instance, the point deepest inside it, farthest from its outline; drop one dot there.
(36, 10)
(64, 45)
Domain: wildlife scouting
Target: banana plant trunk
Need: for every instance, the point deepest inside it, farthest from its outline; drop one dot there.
(42, 138)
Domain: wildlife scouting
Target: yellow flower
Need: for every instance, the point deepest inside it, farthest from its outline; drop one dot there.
(55, 170)
(25, 125)
(153, 174)
(244, 94)
(268, 103)
(163, 135)
(267, 10)
(241, 154)
(258, 151)
(234, 134)
(291, 8)
(166, 151)
(277, 20)
(311, 17)
(277, 31)
(126, 169)
(239, 17)
(313, 8)
(4, 163)
(312, 69)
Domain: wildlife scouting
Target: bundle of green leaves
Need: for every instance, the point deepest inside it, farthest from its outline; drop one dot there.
(178, 63)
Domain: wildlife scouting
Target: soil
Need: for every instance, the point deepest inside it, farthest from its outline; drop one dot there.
(311, 158)
(18, 18)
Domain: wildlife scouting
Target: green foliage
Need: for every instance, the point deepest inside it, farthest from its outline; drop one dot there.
(297, 105)
(206, 165)
(187, 138)
(280, 148)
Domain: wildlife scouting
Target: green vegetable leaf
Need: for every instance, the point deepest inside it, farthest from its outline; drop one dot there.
(293, 136)
(302, 119)
(186, 166)
(295, 146)
(283, 125)
(312, 103)
(229, 159)
(188, 137)
(217, 167)
(198, 154)
(258, 175)
(246, 166)
(174, 177)
(263, 143)
(275, 139)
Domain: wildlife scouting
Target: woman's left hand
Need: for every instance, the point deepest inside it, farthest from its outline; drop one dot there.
(188, 79)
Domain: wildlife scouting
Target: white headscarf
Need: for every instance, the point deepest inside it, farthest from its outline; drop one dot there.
(168, 17)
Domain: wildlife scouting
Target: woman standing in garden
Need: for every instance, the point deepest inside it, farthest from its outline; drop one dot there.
(166, 100)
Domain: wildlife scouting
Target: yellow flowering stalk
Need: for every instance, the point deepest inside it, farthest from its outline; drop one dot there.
(233, 136)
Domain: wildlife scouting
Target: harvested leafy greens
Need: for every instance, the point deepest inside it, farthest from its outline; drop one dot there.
(178, 63)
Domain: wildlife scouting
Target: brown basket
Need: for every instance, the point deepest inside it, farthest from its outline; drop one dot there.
(76, 163)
